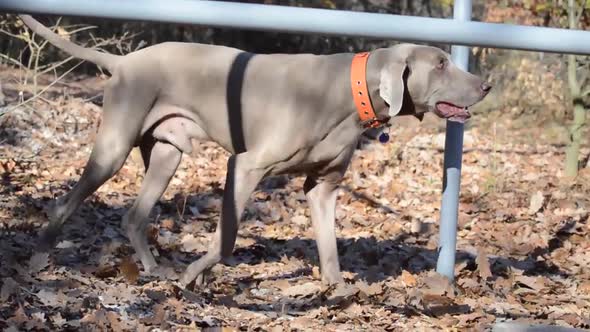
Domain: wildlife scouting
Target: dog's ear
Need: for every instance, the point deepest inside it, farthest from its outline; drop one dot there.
(392, 86)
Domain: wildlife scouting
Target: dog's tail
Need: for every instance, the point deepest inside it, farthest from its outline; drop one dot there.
(102, 59)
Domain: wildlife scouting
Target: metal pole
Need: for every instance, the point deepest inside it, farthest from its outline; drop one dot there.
(317, 21)
(449, 211)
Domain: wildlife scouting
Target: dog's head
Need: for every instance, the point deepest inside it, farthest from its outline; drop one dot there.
(419, 79)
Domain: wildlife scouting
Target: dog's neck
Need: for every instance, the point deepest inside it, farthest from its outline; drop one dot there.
(344, 102)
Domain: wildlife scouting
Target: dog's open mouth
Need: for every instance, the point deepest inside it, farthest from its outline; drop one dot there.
(452, 112)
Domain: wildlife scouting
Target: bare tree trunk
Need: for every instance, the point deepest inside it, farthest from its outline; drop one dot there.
(575, 130)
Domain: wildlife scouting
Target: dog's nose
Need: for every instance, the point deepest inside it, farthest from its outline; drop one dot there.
(485, 87)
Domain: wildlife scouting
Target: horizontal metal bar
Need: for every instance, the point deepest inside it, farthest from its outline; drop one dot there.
(317, 21)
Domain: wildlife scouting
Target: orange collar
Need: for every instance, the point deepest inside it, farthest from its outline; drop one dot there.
(360, 91)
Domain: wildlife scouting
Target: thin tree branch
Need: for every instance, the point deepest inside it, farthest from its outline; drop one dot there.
(55, 65)
(46, 88)
(14, 61)
(9, 34)
(90, 27)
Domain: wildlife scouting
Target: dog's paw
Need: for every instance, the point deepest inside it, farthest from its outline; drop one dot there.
(189, 281)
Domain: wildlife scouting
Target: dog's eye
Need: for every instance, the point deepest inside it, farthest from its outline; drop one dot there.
(442, 63)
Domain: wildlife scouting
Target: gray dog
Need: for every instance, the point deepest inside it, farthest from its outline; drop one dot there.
(275, 114)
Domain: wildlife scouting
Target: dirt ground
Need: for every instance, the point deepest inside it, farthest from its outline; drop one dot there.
(523, 246)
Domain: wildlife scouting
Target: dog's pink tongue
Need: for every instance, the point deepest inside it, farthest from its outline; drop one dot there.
(454, 113)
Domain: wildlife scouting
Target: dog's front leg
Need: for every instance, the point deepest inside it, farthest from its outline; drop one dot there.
(321, 196)
(242, 178)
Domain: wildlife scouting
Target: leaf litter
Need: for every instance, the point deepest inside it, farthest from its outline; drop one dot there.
(523, 245)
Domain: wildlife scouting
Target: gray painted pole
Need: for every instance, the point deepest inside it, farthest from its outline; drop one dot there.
(317, 21)
(449, 210)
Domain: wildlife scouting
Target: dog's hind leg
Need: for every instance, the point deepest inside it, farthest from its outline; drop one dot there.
(161, 161)
(124, 111)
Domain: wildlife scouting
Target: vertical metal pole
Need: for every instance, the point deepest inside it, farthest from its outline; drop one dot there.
(452, 165)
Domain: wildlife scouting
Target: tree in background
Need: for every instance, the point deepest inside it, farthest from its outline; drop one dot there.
(579, 90)
(572, 14)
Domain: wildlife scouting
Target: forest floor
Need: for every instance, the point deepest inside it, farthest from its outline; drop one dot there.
(523, 247)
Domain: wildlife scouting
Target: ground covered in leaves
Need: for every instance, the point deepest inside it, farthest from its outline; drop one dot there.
(523, 247)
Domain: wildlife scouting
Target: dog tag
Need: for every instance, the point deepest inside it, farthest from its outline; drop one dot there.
(384, 138)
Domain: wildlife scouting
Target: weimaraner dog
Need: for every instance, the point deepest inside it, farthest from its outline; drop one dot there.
(276, 114)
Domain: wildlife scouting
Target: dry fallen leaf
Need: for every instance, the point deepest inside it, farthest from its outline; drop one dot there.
(38, 262)
(536, 202)
(277, 328)
(65, 244)
(370, 290)
(96, 317)
(315, 272)
(106, 271)
(302, 290)
(584, 287)
(9, 287)
(158, 317)
(416, 226)
(114, 322)
(483, 265)
(129, 269)
(408, 280)
(168, 224)
(301, 323)
(19, 317)
(37, 321)
(58, 320)
(535, 283)
(190, 243)
(437, 284)
(177, 306)
(52, 299)
(342, 293)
